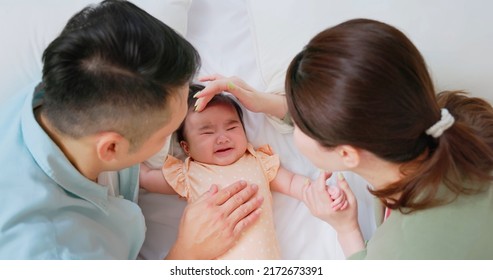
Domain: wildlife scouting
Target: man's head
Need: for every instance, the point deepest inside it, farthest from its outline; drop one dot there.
(115, 68)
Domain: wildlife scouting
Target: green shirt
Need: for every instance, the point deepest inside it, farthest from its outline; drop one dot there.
(462, 229)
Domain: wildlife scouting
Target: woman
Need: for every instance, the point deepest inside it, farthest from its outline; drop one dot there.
(362, 100)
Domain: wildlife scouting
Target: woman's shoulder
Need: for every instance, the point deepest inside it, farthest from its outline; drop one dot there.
(461, 229)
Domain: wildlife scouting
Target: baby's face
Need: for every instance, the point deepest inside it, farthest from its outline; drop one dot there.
(215, 135)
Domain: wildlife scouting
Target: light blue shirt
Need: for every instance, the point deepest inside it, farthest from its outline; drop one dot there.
(48, 210)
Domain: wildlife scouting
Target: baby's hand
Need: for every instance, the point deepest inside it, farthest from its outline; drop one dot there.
(339, 198)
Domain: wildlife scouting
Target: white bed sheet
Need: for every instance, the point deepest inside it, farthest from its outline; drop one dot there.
(222, 31)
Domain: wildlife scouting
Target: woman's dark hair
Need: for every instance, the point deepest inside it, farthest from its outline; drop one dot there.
(217, 99)
(114, 67)
(363, 83)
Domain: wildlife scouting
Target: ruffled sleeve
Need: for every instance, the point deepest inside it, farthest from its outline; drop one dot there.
(269, 160)
(173, 171)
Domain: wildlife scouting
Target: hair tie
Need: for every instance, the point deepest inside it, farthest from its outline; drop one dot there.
(446, 121)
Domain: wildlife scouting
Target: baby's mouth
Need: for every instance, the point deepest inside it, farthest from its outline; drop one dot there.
(223, 150)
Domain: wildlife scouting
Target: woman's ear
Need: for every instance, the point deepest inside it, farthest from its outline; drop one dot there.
(186, 148)
(110, 145)
(350, 156)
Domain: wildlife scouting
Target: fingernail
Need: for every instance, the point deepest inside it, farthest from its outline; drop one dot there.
(195, 95)
(197, 103)
(340, 176)
(231, 86)
(307, 181)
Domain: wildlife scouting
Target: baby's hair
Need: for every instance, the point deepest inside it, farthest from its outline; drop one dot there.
(217, 99)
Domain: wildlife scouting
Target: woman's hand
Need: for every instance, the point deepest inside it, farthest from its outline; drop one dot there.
(250, 98)
(211, 225)
(343, 219)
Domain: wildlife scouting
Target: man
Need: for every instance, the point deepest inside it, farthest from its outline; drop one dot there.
(114, 88)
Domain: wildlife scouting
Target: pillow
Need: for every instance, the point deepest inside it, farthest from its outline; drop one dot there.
(27, 27)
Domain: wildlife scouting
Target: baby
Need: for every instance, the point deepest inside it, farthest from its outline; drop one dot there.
(218, 152)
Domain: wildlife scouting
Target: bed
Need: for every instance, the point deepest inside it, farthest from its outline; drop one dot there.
(255, 40)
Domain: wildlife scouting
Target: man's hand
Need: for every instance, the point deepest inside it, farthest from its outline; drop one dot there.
(211, 225)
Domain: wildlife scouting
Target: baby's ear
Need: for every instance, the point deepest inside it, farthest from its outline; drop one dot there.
(185, 147)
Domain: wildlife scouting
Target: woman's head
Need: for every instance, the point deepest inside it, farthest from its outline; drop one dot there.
(215, 135)
(363, 83)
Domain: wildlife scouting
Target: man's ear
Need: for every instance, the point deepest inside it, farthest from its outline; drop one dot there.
(350, 155)
(109, 145)
(186, 148)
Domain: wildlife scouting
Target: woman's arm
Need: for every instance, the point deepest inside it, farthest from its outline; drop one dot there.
(272, 104)
(345, 222)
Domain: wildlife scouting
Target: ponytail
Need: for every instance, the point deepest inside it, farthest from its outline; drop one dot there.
(462, 153)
